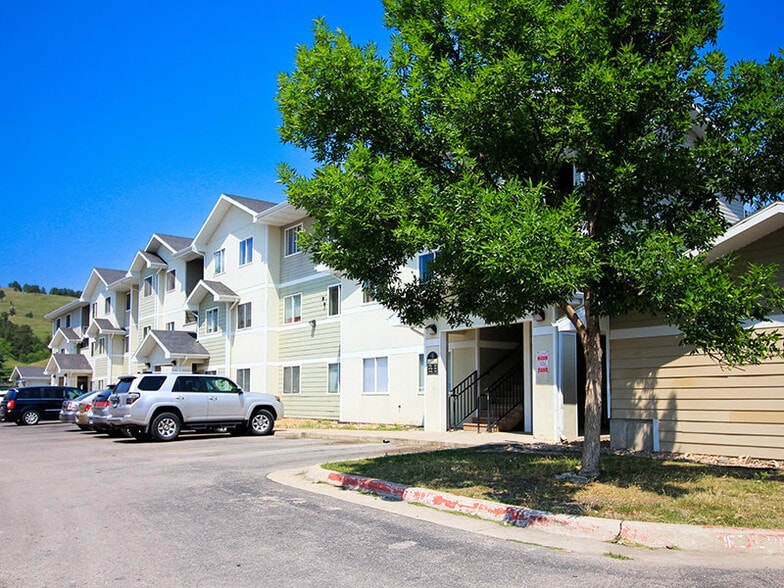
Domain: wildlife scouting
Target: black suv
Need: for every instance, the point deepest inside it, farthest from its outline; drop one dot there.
(27, 406)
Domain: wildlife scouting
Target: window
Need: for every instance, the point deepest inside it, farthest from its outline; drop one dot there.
(94, 309)
(171, 280)
(128, 302)
(219, 258)
(421, 373)
(333, 378)
(291, 239)
(367, 295)
(243, 315)
(292, 312)
(425, 261)
(374, 375)
(291, 379)
(67, 321)
(100, 346)
(170, 326)
(333, 297)
(151, 383)
(243, 378)
(127, 345)
(246, 251)
(211, 320)
(146, 331)
(147, 286)
(57, 323)
(107, 305)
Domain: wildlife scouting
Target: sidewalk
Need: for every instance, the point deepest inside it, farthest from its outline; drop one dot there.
(652, 535)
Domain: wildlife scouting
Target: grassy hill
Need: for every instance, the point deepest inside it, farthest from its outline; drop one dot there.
(37, 305)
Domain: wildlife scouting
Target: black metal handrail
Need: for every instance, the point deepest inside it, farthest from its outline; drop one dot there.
(503, 396)
(463, 400)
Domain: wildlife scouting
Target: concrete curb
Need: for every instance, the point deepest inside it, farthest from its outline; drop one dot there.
(653, 535)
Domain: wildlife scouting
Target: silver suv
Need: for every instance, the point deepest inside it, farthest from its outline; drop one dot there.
(159, 406)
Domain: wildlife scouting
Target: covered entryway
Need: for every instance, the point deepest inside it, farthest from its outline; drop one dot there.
(489, 378)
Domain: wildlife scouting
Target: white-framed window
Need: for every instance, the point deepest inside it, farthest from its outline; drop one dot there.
(333, 300)
(127, 344)
(219, 260)
(246, 251)
(57, 324)
(292, 309)
(243, 378)
(67, 321)
(291, 379)
(421, 388)
(375, 376)
(146, 331)
(291, 240)
(367, 295)
(211, 320)
(128, 302)
(100, 346)
(244, 316)
(147, 286)
(107, 305)
(94, 310)
(171, 280)
(170, 326)
(425, 260)
(333, 378)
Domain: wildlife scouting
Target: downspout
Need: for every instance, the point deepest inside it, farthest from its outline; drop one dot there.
(229, 309)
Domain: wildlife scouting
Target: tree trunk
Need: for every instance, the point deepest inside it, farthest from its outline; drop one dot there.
(592, 345)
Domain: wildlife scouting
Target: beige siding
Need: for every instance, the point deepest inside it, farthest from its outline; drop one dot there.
(313, 401)
(701, 407)
(295, 267)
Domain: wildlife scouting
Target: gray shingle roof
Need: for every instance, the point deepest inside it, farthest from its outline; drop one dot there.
(109, 276)
(29, 371)
(180, 343)
(219, 288)
(70, 334)
(252, 203)
(106, 325)
(72, 362)
(176, 243)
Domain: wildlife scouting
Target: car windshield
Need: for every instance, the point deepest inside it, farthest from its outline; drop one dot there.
(123, 385)
(83, 396)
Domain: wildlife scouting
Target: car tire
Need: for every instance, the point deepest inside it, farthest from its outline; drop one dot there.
(29, 417)
(84, 427)
(261, 423)
(165, 427)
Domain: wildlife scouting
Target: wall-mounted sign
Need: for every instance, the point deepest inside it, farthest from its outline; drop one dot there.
(543, 361)
(432, 363)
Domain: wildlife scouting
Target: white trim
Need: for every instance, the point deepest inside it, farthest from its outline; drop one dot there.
(639, 332)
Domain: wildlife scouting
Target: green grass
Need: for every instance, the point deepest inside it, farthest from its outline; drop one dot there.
(38, 305)
(631, 487)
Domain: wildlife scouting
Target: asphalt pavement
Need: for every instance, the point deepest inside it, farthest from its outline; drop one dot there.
(709, 539)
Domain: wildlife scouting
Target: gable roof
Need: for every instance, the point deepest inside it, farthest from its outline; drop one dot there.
(280, 215)
(65, 309)
(146, 260)
(173, 243)
(102, 326)
(226, 202)
(752, 228)
(64, 334)
(27, 372)
(174, 344)
(68, 362)
(220, 293)
(102, 275)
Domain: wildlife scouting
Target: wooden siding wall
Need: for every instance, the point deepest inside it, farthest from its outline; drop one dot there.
(701, 407)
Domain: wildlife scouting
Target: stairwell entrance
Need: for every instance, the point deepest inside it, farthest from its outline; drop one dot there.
(489, 378)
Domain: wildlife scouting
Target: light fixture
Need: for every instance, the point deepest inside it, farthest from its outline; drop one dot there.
(312, 323)
(539, 315)
(431, 329)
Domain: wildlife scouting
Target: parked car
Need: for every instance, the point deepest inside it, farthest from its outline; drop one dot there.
(28, 406)
(83, 406)
(159, 406)
(70, 408)
(96, 416)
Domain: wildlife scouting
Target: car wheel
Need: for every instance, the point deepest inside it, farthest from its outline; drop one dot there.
(261, 423)
(165, 427)
(84, 427)
(29, 417)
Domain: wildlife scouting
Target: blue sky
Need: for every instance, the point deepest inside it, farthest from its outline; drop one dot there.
(122, 119)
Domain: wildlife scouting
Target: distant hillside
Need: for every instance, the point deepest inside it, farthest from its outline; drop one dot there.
(29, 309)
(37, 304)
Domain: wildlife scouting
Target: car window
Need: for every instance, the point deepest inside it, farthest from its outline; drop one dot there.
(123, 385)
(83, 396)
(22, 394)
(151, 383)
(187, 384)
(220, 385)
(72, 393)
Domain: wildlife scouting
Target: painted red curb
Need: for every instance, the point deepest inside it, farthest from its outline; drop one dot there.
(656, 535)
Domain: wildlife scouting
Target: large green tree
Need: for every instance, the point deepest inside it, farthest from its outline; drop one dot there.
(543, 148)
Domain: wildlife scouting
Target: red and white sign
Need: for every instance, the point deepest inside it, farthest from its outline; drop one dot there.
(543, 362)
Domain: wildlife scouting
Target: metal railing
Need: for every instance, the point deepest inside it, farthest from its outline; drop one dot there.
(463, 400)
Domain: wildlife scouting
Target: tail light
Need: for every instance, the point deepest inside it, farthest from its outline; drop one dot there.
(11, 404)
(102, 404)
(132, 397)
(88, 407)
(70, 406)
